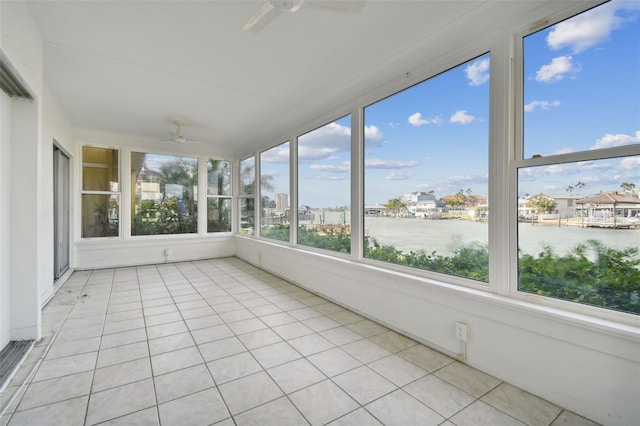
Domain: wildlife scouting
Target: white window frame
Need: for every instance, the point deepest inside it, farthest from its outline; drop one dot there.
(258, 191)
(354, 141)
(91, 192)
(495, 140)
(196, 194)
(516, 161)
(217, 196)
(505, 157)
(241, 196)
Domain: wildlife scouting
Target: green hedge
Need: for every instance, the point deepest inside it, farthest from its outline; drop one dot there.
(591, 273)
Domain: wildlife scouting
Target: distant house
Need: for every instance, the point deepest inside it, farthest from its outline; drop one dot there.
(525, 211)
(565, 205)
(423, 204)
(375, 210)
(611, 208)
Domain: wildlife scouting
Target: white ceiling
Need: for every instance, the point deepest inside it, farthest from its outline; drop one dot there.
(128, 66)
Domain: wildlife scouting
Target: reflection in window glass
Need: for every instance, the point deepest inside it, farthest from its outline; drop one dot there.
(164, 189)
(324, 187)
(99, 169)
(100, 215)
(274, 192)
(100, 200)
(426, 174)
(247, 196)
(576, 78)
(579, 230)
(248, 176)
(218, 214)
(218, 177)
(219, 196)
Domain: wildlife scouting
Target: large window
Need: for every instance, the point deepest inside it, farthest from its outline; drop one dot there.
(579, 168)
(426, 174)
(324, 187)
(100, 192)
(247, 196)
(164, 194)
(274, 192)
(219, 196)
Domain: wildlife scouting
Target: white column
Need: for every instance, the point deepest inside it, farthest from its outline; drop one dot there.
(26, 264)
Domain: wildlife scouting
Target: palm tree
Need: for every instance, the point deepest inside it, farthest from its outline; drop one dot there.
(175, 213)
(218, 183)
(627, 186)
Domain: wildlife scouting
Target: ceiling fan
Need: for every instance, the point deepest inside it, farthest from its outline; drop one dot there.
(272, 8)
(177, 136)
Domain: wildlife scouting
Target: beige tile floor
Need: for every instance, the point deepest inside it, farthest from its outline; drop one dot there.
(222, 342)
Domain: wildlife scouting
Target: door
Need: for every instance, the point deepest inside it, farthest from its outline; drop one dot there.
(61, 210)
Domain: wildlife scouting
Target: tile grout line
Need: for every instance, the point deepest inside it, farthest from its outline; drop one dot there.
(27, 381)
(95, 367)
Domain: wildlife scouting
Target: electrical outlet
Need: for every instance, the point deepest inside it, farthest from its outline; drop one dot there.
(461, 331)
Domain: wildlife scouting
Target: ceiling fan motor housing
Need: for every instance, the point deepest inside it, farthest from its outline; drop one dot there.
(288, 5)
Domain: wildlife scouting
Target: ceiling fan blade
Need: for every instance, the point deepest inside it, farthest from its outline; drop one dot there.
(344, 6)
(176, 136)
(262, 17)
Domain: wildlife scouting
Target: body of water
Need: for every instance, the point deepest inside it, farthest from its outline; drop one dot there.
(444, 236)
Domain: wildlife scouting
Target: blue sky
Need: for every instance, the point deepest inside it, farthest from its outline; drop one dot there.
(582, 92)
(432, 136)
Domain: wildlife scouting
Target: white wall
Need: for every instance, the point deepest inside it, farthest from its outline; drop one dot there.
(55, 126)
(26, 271)
(109, 253)
(28, 156)
(585, 365)
(126, 250)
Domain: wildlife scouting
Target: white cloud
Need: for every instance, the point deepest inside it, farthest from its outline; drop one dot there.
(574, 168)
(465, 179)
(273, 173)
(389, 164)
(341, 168)
(611, 141)
(527, 175)
(372, 133)
(461, 117)
(398, 176)
(564, 151)
(324, 142)
(329, 177)
(478, 72)
(279, 154)
(417, 120)
(556, 70)
(585, 30)
(630, 163)
(545, 105)
(311, 153)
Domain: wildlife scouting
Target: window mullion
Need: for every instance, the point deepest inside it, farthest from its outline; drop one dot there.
(293, 191)
(357, 189)
(201, 206)
(500, 143)
(126, 194)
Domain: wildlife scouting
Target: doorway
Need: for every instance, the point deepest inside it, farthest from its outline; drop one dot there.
(61, 211)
